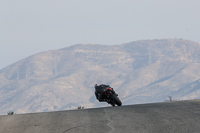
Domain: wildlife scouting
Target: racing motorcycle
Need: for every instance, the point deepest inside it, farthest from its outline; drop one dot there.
(112, 98)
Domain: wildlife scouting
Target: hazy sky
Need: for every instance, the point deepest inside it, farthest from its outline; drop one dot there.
(28, 27)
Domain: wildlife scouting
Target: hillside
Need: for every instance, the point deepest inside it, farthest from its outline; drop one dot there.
(140, 72)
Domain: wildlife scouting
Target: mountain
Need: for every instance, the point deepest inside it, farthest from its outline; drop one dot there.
(140, 72)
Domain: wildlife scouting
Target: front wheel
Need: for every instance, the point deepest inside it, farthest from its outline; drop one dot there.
(116, 100)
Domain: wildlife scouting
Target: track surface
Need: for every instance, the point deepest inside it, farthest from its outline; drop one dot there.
(169, 117)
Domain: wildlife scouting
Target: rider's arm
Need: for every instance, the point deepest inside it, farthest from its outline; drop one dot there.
(96, 94)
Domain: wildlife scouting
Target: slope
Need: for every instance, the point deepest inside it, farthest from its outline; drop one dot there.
(178, 117)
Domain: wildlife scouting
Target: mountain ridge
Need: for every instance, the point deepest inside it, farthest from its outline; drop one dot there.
(140, 71)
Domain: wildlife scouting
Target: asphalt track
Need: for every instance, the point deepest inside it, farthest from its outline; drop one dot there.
(168, 117)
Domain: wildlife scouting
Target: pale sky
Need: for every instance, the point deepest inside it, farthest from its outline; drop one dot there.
(28, 27)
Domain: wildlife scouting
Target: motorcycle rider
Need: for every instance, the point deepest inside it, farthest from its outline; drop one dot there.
(100, 92)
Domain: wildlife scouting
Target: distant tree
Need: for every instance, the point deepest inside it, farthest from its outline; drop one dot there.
(170, 98)
(80, 107)
(11, 113)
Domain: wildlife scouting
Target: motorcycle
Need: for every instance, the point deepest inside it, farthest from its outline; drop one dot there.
(112, 98)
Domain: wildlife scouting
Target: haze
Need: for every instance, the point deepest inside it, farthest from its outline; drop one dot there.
(30, 27)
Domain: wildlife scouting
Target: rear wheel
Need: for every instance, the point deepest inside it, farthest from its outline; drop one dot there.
(116, 100)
